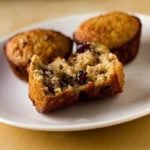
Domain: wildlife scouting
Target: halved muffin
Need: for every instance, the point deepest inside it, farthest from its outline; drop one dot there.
(119, 31)
(45, 43)
(93, 72)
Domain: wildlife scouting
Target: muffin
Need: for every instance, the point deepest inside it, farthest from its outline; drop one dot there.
(93, 72)
(45, 43)
(119, 31)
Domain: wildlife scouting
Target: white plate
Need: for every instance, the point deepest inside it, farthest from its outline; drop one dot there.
(16, 109)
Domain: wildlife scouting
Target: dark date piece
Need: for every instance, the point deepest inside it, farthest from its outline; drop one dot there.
(81, 77)
(51, 89)
(67, 80)
(81, 48)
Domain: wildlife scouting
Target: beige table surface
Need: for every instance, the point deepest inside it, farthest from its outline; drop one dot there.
(128, 136)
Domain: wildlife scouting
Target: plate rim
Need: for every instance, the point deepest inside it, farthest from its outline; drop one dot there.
(79, 127)
(76, 127)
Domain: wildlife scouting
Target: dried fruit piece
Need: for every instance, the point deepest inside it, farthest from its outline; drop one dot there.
(83, 47)
(51, 89)
(66, 80)
(81, 77)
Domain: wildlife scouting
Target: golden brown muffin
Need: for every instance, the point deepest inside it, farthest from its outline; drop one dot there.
(47, 44)
(93, 72)
(119, 31)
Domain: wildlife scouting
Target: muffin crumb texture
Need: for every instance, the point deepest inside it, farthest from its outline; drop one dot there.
(61, 82)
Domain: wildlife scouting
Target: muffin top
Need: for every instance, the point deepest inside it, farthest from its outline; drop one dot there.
(45, 43)
(112, 29)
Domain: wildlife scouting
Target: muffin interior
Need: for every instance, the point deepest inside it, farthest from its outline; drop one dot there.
(90, 64)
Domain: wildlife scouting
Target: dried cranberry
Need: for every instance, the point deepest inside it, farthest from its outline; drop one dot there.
(83, 47)
(51, 88)
(66, 80)
(81, 77)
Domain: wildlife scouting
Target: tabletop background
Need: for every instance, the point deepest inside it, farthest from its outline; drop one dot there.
(132, 135)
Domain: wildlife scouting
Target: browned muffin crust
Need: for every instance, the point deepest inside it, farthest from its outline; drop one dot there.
(128, 51)
(93, 71)
(45, 43)
(119, 31)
